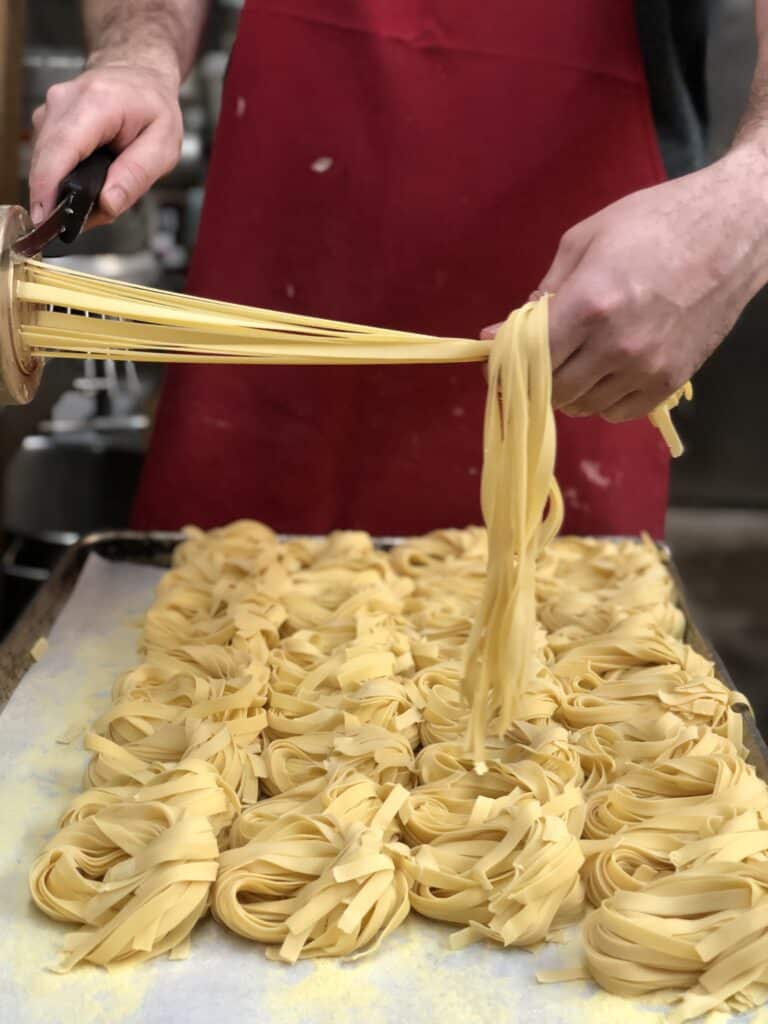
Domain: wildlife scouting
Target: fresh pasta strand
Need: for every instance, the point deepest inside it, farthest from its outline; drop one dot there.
(662, 420)
(131, 322)
(134, 865)
(703, 929)
(125, 321)
(523, 510)
(321, 880)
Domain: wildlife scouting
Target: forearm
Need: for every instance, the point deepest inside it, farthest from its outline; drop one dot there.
(144, 32)
(738, 181)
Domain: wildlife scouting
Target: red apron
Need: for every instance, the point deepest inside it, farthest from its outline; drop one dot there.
(413, 164)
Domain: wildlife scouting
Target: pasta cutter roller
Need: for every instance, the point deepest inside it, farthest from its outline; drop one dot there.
(19, 370)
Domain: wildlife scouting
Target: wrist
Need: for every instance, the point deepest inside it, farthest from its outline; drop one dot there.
(743, 171)
(739, 190)
(160, 60)
(746, 162)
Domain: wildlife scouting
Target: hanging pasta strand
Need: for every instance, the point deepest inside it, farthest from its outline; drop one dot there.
(523, 510)
(662, 420)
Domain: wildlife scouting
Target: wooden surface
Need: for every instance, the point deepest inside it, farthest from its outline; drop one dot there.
(11, 66)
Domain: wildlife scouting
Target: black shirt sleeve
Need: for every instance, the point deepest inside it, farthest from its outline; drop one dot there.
(673, 38)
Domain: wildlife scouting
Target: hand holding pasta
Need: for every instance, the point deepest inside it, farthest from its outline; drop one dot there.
(646, 289)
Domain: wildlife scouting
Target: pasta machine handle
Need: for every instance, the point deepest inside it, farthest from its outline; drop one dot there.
(81, 188)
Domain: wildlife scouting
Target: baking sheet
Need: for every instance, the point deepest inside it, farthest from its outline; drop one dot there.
(414, 977)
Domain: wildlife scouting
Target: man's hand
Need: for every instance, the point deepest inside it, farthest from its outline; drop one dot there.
(132, 108)
(127, 98)
(647, 288)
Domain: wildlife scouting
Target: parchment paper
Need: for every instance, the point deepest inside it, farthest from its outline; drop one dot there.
(413, 979)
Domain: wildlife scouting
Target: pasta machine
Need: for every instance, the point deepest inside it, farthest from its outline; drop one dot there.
(20, 371)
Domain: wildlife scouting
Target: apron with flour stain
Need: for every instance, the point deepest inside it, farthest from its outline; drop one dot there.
(411, 164)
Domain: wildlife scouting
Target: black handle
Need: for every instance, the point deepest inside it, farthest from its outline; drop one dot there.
(81, 189)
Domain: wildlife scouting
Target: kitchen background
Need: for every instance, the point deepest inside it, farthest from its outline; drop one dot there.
(84, 436)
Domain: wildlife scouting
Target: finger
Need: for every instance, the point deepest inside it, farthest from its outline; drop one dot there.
(57, 150)
(572, 247)
(609, 391)
(152, 154)
(574, 411)
(632, 407)
(97, 218)
(568, 331)
(38, 115)
(490, 332)
(577, 377)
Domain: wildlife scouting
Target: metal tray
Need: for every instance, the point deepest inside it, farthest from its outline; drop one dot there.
(156, 548)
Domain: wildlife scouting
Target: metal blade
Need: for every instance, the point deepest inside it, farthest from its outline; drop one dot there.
(35, 240)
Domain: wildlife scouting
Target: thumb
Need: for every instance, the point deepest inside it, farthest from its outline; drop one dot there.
(489, 333)
(136, 169)
(572, 247)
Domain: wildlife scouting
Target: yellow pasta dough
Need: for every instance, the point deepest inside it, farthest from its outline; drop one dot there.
(703, 928)
(320, 880)
(523, 510)
(134, 865)
(293, 752)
